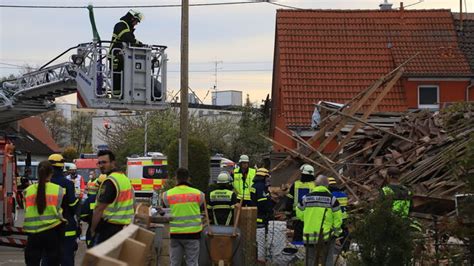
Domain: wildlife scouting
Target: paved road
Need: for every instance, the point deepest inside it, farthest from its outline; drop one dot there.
(11, 256)
(15, 256)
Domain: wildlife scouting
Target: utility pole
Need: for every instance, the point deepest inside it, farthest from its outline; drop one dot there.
(145, 148)
(183, 125)
(215, 73)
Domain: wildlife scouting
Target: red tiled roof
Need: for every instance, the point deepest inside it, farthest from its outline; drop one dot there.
(34, 126)
(332, 55)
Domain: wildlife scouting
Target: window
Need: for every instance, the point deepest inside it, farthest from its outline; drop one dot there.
(428, 97)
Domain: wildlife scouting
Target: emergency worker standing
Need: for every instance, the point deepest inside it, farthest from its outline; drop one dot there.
(221, 201)
(88, 206)
(398, 193)
(123, 33)
(69, 206)
(43, 220)
(243, 180)
(115, 199)
(261, 197)
(341, 197)
(79, 184)
(186, 224)
(297, 191)
(322, 219)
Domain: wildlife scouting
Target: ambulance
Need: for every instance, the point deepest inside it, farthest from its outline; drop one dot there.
(147, 173)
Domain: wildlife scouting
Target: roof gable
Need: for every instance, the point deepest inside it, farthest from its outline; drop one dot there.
(34, 126)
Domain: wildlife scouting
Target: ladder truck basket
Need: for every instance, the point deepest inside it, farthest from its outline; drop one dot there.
(124, 78)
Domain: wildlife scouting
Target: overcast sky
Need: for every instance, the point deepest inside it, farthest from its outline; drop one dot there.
(240, 37)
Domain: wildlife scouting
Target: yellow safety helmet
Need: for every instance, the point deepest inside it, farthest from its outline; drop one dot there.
(332, 181)
(262, 172)
(56, 159)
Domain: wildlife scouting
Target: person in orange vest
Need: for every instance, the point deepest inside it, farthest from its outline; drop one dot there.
(114, 206)
(43, 220)
(89, 203)
(185, 203)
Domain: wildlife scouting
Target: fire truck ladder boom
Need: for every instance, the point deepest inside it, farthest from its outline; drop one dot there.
(88, 72)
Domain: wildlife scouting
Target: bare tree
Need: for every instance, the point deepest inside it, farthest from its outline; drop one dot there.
(57, 125)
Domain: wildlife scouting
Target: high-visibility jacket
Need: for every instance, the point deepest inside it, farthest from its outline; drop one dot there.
(92, 187)
(52, 214)
(243, 184)
(341, 197)
(184, 202)
(401, 197)
(318, 206)
(121, 210)
(221, 203)
(301, 189)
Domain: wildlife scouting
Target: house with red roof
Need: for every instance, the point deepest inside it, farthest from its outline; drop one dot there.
(332, 55)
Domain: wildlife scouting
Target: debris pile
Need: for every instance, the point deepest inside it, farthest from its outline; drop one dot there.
(437, 141)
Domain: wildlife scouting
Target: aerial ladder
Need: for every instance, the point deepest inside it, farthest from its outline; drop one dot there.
(89, 73)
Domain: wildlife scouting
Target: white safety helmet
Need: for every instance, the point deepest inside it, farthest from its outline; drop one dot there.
(307, 169)
(223, 178)
(137, 15)
(244, 159)
(72, 167)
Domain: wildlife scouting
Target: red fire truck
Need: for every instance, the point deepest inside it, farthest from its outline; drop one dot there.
(10, 235)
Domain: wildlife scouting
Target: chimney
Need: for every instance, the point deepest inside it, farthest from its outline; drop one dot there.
(385, 5)
(401, 6)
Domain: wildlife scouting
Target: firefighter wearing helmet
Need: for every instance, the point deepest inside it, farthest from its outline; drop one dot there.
(221, 200)
(243, 180)
(297, 191)
(123, 33)
(69, 205)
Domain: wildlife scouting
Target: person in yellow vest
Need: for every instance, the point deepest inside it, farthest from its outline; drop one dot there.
(88, 206)
(297, 191)
(114, 204)
(185, 203)
(43, 219)
(243, 180)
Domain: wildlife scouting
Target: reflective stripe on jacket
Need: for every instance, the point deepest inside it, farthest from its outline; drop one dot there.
(318, 205)
(301, 189)
(52, 214)
(184, 202)
(241, 187)
(221, 205)
(121, 210)
(92, 187)
(341, 196)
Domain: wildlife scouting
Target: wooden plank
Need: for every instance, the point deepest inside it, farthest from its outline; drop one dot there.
(371, 108)
(248, 229)
(295, 153)
(363, 121)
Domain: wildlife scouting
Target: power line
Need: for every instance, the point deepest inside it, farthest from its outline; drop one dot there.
(135, 6)
(281, 5)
